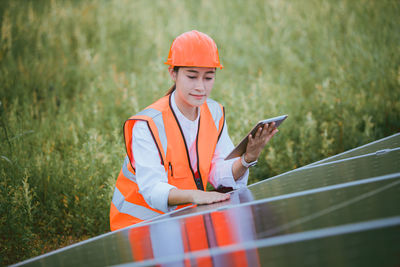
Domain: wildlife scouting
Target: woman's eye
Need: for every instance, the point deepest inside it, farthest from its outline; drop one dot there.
(208, 78)
(192, 77)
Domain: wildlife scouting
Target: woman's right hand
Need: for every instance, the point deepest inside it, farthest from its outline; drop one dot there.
(179, 197)
(202, 197)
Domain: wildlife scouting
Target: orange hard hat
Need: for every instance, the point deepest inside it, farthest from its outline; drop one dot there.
(194, 49)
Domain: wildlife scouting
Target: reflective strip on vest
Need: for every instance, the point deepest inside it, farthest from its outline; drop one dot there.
(158, 121)
(215, 110)
(126, 172)
(134, 210)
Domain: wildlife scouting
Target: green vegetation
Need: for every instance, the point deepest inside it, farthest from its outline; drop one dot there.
(72, 72)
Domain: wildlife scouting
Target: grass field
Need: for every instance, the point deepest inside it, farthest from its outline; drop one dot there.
(72, 71)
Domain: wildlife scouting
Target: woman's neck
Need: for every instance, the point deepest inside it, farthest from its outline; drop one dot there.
(189, 112)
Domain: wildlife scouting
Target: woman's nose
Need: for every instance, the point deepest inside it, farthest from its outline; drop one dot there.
(200, 85)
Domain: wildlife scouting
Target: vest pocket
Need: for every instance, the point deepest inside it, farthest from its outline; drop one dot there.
(170, 170)
(178, 171)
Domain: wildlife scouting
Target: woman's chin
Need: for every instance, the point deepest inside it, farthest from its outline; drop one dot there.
(198, 103)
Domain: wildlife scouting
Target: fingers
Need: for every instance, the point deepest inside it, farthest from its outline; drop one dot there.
(271, 129)
(265, 131)
(268, 129)
(259, 131)
(261, 138)
(223, 197)
(210, 197)
(214, 197)
(218, 197)
(266, 134)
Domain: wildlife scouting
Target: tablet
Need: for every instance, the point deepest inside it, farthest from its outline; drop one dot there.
(241, 147)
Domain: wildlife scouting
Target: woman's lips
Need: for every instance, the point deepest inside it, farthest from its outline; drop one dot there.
(197, 96)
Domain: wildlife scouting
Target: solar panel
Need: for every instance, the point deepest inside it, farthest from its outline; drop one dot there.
(342, 211)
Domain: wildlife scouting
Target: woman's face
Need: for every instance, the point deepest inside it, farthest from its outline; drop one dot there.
(193, 85)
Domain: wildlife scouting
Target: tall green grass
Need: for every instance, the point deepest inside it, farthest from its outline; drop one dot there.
(72, 72)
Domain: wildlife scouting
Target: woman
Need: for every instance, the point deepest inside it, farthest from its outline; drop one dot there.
(178, 144)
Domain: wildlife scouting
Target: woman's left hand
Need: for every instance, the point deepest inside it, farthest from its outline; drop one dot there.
(258, 141)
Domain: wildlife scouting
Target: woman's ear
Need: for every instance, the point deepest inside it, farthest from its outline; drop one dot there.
(172, 73)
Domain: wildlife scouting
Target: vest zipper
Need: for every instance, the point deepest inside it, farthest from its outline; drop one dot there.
(198, 158)
(200, 185)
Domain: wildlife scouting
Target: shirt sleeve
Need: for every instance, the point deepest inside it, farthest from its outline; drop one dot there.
(150, 174)
(221, 170)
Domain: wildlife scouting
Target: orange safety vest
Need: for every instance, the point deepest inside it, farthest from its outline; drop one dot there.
(128, 206)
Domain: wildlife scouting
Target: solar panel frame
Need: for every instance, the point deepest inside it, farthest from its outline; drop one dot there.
(389, 142)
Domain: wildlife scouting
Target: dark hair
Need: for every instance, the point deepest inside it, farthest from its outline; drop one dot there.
(173, 87)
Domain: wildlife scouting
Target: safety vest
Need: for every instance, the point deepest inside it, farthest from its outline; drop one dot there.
(128, 205)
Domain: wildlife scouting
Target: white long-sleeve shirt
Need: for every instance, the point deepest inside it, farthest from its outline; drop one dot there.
(150, 174)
